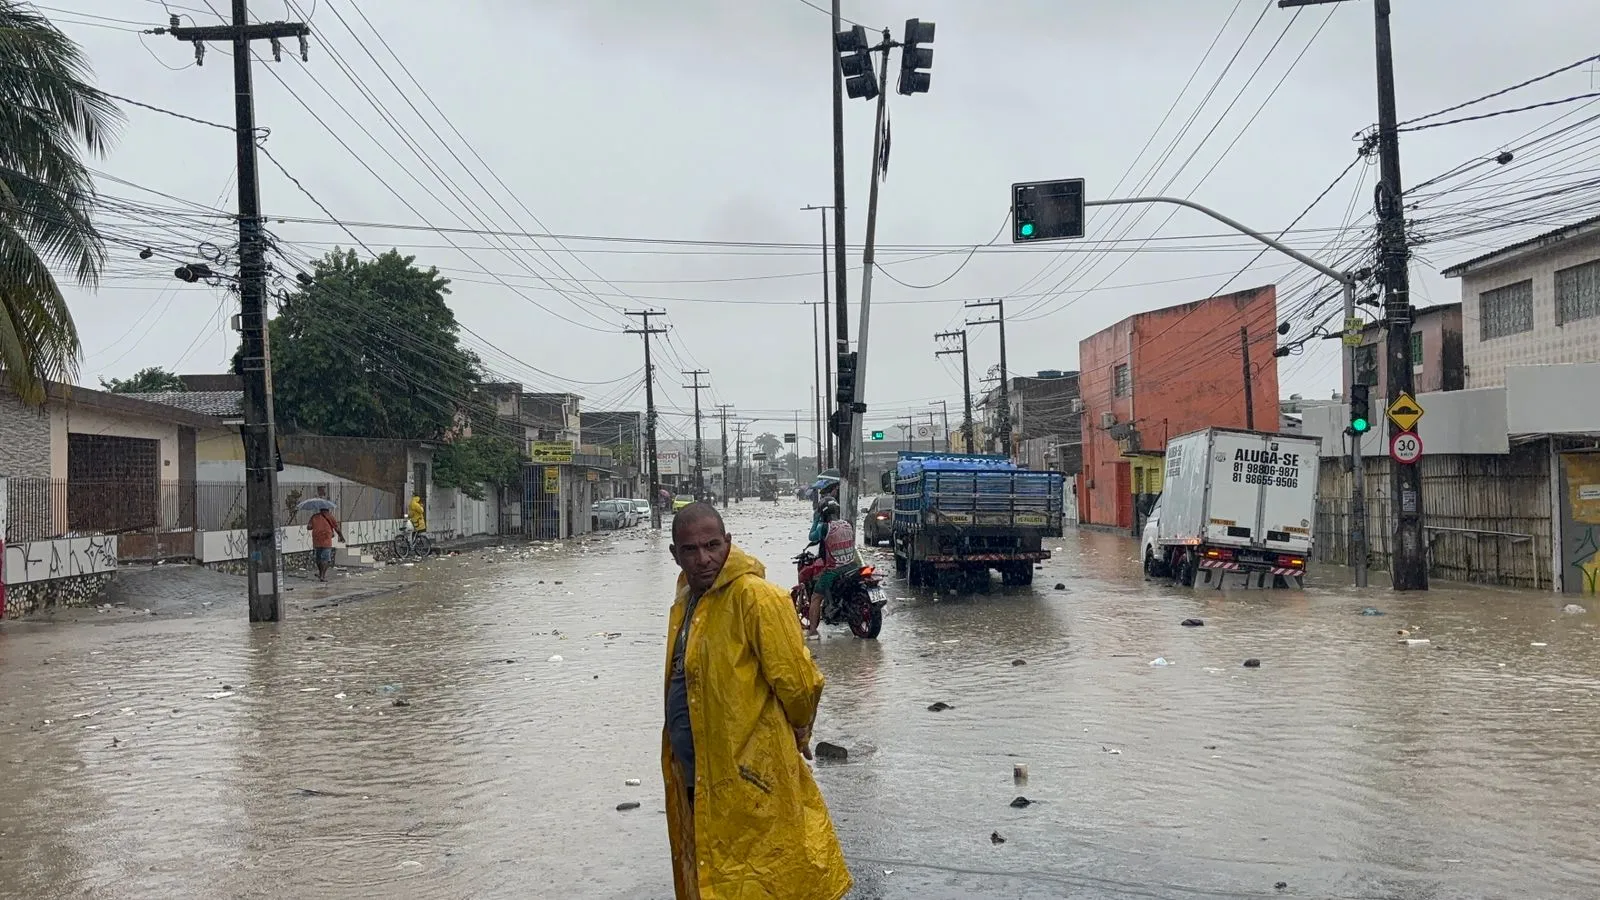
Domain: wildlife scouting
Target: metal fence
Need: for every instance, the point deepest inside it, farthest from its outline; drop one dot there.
(1486, 518)
(42, 508)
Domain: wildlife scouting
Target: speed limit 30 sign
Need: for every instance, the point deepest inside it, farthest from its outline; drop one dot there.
(1405, 448)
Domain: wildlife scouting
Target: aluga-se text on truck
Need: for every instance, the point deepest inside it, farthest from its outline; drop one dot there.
(1235, 510)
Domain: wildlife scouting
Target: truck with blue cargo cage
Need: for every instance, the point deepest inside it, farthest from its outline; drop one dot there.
(1235, 510)
(959, 516)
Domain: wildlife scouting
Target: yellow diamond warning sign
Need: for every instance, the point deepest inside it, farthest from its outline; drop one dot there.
(1405, 411)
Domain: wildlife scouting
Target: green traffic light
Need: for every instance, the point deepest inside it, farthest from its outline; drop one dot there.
(1359, 426)
(1026, 230)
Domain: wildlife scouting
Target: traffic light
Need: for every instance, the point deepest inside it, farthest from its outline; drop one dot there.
(846, 394)
(915, 58)
(877, 435)
(855, 62)
(1047, 210)
(1360, 409)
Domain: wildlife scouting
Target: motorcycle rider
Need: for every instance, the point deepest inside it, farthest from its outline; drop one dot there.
(838, 539)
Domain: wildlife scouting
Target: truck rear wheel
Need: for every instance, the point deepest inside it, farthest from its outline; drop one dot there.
(1017, 575)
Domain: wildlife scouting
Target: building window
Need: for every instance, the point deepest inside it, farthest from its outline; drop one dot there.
(1366, 371)
(1120, 383)
(1416, 351)
(1578, 293)
(1505, 311)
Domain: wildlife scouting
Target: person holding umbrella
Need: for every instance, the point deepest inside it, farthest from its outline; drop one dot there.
(323, 527)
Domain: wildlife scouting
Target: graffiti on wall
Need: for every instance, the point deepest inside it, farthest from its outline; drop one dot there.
(1583, 531)
(61, 558)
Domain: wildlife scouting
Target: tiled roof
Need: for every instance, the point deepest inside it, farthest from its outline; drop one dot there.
(222, 404)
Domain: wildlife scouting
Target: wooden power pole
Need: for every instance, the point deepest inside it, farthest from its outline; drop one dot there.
(259, 431)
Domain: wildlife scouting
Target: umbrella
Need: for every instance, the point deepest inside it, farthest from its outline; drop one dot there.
(318, 504)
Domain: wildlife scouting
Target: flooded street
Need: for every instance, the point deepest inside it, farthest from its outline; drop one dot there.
(428, 743)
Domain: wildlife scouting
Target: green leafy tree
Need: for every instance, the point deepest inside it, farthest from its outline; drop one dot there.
(368, 348)
(144, 381)
(469, 463)
(49, 114)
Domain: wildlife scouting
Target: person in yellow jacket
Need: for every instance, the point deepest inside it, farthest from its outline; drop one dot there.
(419, 519)
(744, 815)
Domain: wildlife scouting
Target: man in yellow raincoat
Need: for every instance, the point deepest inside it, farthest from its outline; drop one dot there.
(745, 818)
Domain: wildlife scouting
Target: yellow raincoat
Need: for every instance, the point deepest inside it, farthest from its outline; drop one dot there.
(759, 826)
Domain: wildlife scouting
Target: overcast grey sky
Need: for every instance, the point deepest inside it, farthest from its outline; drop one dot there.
(708, 121)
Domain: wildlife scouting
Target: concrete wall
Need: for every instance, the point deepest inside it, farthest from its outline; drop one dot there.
(223, 546)
(62, 572)
(1547, 342)
(217, 444)
(24, 438)
(1553, 399)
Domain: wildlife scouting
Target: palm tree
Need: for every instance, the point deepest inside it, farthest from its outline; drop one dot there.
(49, 113)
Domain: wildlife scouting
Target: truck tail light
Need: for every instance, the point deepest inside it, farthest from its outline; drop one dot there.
(1292, 562)
(1218, 553)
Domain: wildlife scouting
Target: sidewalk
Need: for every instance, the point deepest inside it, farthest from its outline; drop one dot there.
(190, 591)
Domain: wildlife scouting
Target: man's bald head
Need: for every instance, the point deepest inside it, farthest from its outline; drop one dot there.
(692, 514)
(700, 544)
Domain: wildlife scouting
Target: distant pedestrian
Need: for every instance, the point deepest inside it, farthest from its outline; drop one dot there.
(417, 516)
(323, 527)
(744, 815)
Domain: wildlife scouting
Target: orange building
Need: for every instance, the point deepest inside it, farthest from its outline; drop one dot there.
(1161, 374)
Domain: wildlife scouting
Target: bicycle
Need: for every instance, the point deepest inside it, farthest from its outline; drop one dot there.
(409, 544)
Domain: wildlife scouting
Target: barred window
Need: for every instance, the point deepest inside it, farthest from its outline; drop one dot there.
(1505, 311)
(1120, 383)
(1578, 293)
(1416, 350)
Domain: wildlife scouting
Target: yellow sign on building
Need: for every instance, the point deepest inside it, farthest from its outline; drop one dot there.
(552, 479)
(550, 451)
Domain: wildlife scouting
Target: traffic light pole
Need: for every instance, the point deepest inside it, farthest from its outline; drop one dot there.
(1358, 467)
(1358, 503)
(849, 470)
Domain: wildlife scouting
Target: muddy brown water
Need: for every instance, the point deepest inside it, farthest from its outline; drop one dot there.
(1348, 765)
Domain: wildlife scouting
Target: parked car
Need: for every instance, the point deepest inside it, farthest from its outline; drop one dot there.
(878, 526)
(612, 514)
(641, 509)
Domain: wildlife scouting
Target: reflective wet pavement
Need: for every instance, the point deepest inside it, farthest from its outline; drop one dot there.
(201, 757)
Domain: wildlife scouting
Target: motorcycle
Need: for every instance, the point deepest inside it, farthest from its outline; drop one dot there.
(856, 599)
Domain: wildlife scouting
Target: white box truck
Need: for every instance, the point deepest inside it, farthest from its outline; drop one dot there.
(1235, 510)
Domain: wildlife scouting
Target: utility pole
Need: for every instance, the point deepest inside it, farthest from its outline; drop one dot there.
(1004, 428)
(259, 432)
(910, 427)
(966, 382)
(1249, 389)
(738, 456)
(945, 406)
(825, 384)
(1410, 565)
(795, 452)
(699, 440)
(932, 427)
(818, 404)
(650, 410)
(724, 407)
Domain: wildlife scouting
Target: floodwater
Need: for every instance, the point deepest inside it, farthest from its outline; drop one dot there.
(205, 758)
